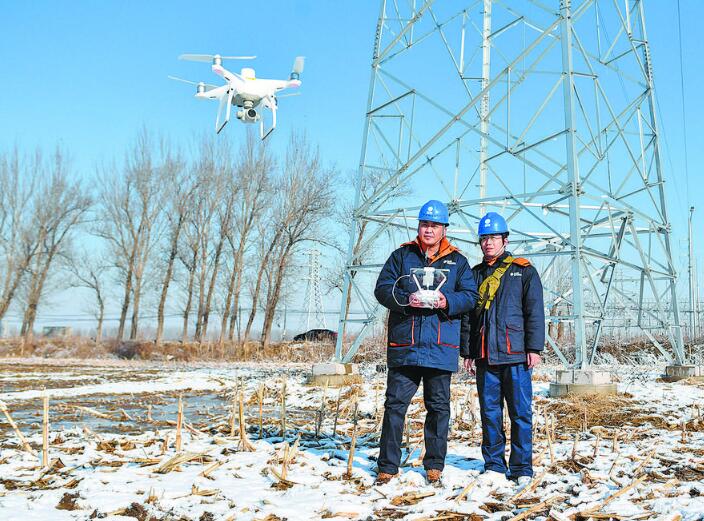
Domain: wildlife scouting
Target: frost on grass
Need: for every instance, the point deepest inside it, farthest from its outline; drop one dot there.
(256, 443)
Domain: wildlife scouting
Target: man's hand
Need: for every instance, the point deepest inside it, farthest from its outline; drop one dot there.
(533, 359)
(441, 302)
(414, 301)
(469, 366)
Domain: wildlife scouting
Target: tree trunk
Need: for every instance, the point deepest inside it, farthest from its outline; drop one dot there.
(101, 316)
(37, 286)
(189, 299)
(348, 300)
(125, 300)
(228, 302)
(167, 280)
(9, 294)
(135, 306)
(273, 301)
(201, 292)
(255, 302)
(211, 286)
(235, 315)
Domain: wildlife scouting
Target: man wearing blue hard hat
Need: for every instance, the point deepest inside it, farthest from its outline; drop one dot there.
(501, 342)
(427, 285)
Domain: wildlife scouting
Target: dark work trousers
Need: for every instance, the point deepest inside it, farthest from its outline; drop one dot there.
(511, 382)
(401, 384)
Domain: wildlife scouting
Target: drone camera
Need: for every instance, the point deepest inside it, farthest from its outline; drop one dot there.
(248, 115)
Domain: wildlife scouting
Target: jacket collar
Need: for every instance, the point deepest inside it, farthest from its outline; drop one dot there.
(445, 248)
(498, 260)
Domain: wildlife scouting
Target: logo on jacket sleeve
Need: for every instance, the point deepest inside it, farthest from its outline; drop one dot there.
(448, 261)
(516, 274)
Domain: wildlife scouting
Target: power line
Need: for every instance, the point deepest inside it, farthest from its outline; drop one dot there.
(684, 110)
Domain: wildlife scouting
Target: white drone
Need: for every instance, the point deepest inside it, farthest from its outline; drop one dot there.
(243, 90)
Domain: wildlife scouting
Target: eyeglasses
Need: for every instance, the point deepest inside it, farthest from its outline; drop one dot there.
(496, 237)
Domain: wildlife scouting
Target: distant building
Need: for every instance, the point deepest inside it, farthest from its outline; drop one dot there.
(56, 331)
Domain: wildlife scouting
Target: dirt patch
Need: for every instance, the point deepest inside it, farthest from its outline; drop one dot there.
(68, 502)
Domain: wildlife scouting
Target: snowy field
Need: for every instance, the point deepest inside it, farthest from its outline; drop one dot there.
(114, 436)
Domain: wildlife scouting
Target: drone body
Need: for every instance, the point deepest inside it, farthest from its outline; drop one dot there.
(243, 90)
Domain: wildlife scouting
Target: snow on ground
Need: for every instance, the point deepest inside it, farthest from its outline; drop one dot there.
(650, 471)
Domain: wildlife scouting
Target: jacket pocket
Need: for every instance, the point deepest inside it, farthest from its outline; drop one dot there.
(401, 330)
(515, 339)
(449, 333)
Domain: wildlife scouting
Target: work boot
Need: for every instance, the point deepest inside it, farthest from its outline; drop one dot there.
(383, 478)
(433, 476)
(492, 480)
(522, 482)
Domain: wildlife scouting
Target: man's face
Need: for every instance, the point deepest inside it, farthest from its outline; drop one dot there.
(430, 233)
(493, 245)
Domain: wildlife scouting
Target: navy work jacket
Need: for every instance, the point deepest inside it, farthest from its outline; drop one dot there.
(420, 336)
(515, 322)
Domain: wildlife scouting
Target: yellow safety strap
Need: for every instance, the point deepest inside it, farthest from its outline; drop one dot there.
(490, 285)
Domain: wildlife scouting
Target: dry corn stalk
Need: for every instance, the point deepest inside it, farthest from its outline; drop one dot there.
(552, 451)
(353, 444)
(613, 496)
(25, 444)
(574, 445)
(596, 444)
(536, 508)
(283, 408)
(206, 473)
(205, 492)
(466, 490)
(245, 444)
(45, 432)
(176, 460)
(260, 397)
(93, 412)
(529, 488)
(232, 416)
(410, 498)
(179, 423)
(165, 444)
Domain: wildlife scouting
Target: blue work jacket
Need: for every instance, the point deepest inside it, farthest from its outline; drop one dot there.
(419, 336)
(515, 322)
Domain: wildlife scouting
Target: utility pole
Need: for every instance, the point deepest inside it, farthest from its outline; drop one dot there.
(693, 304)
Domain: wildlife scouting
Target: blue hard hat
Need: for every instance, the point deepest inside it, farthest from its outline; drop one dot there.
(434, 211)
(492, 223)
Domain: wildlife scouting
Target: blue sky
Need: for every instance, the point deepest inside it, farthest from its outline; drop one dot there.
(89, 74)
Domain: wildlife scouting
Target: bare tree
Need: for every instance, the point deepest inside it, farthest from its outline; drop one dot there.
(227, 191)
(18, 239)
(89, 271)
(61, 207)
(130, 205)
(303, 200)
(180, 189)
(253, 172)
(369, 183)
(267, 238)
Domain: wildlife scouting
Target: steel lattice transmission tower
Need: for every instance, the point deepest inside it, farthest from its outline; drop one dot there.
(315, 314)
(543, 111)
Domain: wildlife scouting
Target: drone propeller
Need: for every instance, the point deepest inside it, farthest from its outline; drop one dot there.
(288, 95)
(211, 57)
(298, 64)
(176, 78)
(297, 67)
